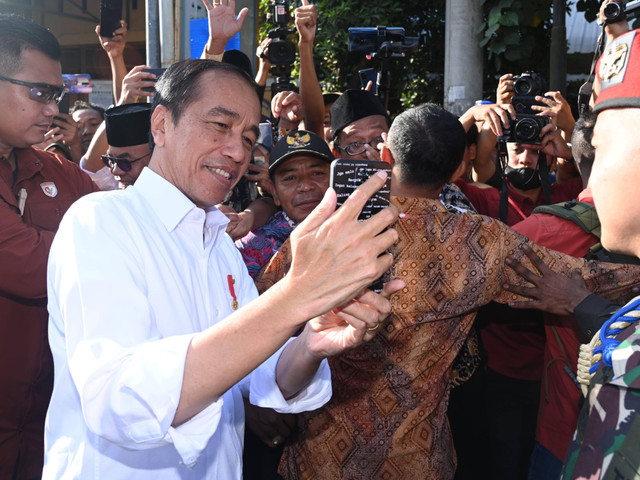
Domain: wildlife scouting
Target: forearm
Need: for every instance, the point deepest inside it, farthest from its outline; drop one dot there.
(484, 165)
(234, 347)
(296, 367)
(98, 147)
(310, 90)
(118, 72)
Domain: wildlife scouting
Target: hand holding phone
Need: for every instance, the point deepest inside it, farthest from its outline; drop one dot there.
(110, 15)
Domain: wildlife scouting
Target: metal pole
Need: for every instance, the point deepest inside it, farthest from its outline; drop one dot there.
(463, 55)
(558, 53)
(153, 33)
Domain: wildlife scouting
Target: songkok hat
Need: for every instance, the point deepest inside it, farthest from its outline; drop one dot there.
(619, 71)
(128, 125)
(239, 59)
(298, 142)
(352, 106)
(329, 98)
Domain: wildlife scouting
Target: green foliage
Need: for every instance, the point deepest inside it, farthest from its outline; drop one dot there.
(415, 79)
(516, 35)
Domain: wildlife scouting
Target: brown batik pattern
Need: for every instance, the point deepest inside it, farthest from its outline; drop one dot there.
(387, 416)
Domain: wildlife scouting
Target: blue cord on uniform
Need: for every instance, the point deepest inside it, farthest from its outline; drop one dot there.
(608, 345)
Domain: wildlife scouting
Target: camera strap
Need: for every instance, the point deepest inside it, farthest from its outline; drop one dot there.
(504, 194)
(586, 89)
(543, 172)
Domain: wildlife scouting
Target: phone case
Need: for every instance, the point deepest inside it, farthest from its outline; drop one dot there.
(110, 16)
(366, 75)
(346, 175)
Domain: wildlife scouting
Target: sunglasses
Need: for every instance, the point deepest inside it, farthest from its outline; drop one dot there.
(40, 92)
(122, 163)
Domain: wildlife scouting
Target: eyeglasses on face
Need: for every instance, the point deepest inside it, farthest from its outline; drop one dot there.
(122, 163)
(356, 148)
(40, 92)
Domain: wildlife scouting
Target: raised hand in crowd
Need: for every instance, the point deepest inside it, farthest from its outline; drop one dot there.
(558, 111)
(552, 143)
(262, 52)
(495, 116)
(306, 20)
(114, 46)
(505, 90)
(288, 107)
(223, 25)
(134, 83)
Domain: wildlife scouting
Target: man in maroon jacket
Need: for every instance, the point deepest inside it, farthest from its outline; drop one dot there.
(36, 188)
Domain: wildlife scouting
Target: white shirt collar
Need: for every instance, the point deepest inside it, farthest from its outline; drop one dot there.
(169, 203)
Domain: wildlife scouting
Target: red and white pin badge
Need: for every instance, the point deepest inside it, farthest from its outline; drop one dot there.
(49, 189)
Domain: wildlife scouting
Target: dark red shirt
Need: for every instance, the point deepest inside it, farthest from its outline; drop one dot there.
(559, 396)
(514, 339)
(51, 184)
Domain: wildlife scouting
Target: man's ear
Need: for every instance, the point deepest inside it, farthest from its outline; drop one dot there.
(276, 198)
(459, 172)
(385, 155)
(159, 121)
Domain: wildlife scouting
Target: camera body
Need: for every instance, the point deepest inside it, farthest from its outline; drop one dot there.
(525, 129)
(527, 125)
(282, 51)
(380, 40)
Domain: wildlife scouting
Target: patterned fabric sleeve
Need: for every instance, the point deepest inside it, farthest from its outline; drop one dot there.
(458, 264)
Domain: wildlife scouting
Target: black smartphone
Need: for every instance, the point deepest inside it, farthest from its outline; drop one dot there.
(368, 75)
(347, 175)
(63, 106)
(110, 16)
(158, 73)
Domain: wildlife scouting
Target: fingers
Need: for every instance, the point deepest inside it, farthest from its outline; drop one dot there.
(241, 16)
(521, 270)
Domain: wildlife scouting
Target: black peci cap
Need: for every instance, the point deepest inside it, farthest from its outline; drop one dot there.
(353, 105)
(128, 125)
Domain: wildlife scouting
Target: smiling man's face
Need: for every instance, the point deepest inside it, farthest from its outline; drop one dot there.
(208, 150)
(300, 183)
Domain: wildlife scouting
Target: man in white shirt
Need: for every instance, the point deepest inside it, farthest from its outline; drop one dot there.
(148, 381)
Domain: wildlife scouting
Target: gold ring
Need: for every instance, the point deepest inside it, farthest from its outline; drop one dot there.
(277, 440)
(374, 328)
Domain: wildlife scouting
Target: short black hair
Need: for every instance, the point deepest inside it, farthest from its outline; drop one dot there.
(427, 144)
(581, 147)
(18, 34)
(82, 105)
(179, 86)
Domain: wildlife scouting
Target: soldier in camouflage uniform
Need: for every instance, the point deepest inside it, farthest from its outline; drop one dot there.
(607, 441)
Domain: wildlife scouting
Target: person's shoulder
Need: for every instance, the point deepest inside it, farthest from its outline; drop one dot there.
(56, 165)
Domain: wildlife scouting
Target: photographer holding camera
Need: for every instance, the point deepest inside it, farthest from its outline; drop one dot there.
(514, 349)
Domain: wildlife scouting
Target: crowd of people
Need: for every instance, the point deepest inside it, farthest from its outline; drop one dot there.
(243, 340)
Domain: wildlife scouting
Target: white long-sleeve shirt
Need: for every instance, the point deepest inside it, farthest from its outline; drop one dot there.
(133, 275)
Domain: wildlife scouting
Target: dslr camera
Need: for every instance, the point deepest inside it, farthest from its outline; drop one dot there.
(617, 11)
(527, 125)
(525, 129)
(282, 51)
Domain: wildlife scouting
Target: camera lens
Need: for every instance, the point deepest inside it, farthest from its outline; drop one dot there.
(612, 11)
(527, 130)
(523, 86)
